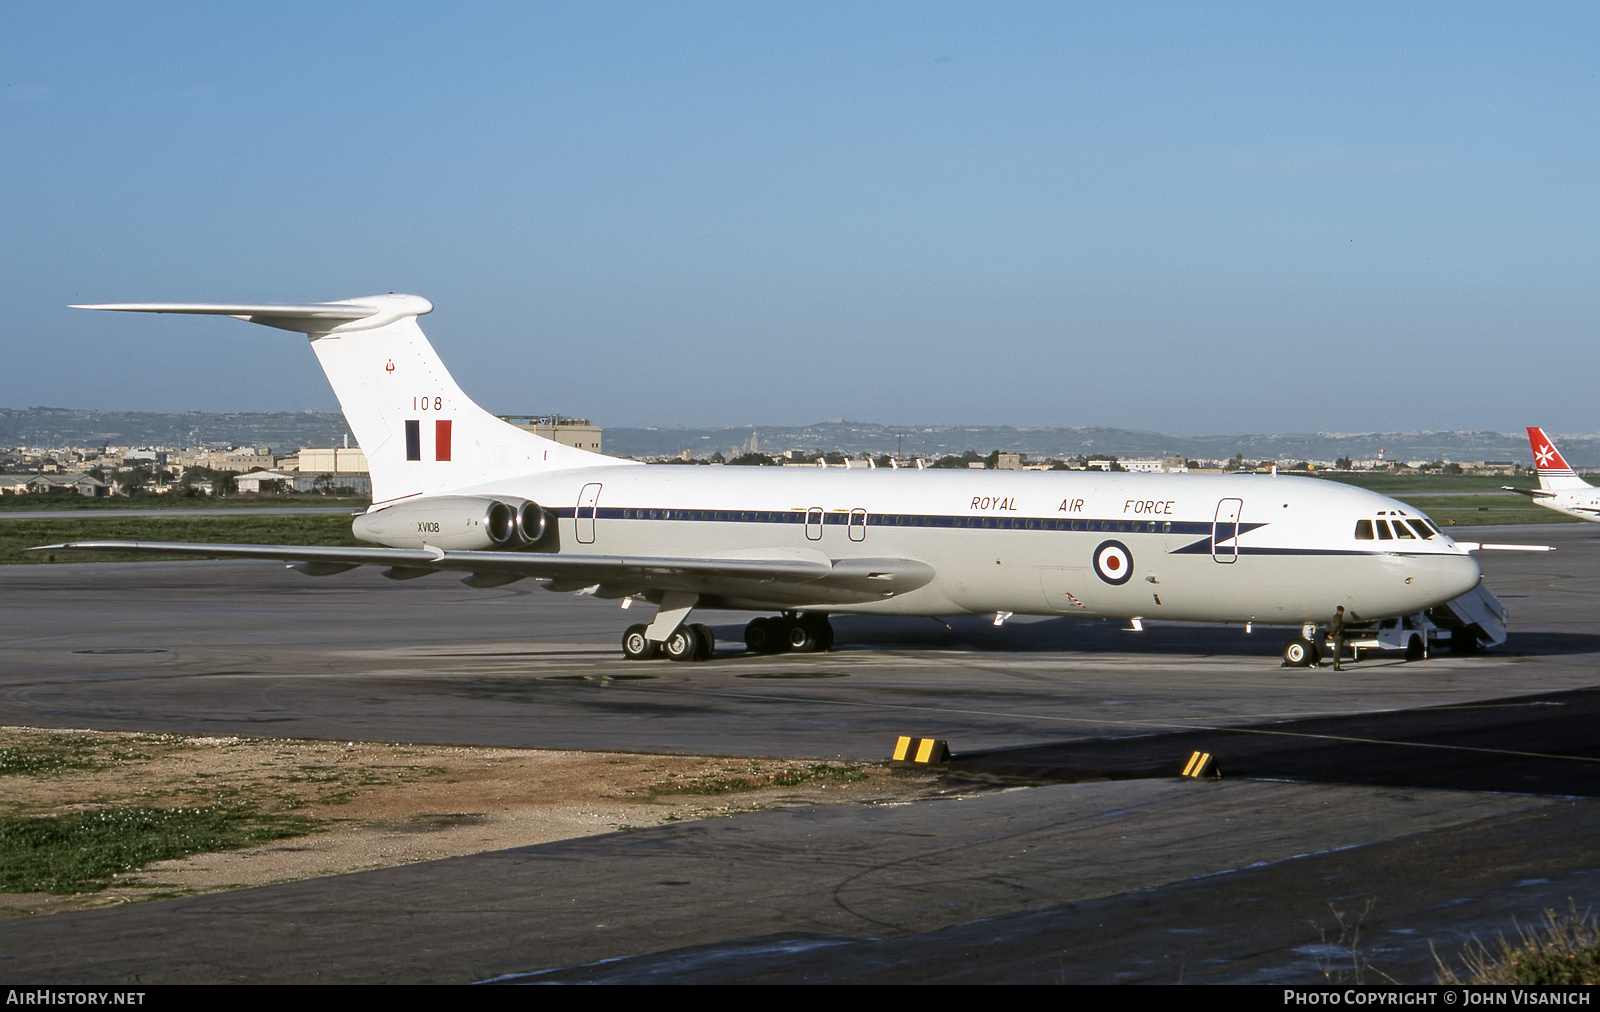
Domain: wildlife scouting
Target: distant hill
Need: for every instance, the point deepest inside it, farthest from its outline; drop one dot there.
(282, 430)
(285, 431)
(936, 441)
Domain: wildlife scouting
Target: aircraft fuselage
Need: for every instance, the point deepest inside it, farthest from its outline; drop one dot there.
(1267, 549)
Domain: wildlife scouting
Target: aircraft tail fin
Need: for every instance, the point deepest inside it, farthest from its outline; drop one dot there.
(421, 434)
(1552, 468)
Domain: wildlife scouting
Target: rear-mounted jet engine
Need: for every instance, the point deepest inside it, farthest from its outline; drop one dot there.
(456, 522)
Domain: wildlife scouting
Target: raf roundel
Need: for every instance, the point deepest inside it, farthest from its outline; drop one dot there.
(1113, 563)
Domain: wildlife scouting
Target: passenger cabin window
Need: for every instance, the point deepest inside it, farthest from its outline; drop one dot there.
(1363, 530)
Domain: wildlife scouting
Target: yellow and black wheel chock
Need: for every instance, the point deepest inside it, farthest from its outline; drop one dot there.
(1202, 765)
(921, 751)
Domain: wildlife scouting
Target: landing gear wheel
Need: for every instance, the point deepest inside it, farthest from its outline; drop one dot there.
(682, 645)
(765, 636)
(801, 638)
(635, 647)
(1415, 649)
(824, 634)
(1298, 653)
(705, 643)
(810, 633)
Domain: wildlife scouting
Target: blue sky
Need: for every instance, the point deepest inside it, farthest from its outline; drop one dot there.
(1184, 217)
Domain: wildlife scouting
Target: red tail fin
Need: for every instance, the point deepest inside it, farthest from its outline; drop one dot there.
(1553, 470)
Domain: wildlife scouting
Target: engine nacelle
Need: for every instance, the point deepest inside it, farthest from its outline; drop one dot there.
(455, 522)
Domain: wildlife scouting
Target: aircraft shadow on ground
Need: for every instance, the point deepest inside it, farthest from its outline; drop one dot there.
(1065, 635)
(1540, 643)
(1106, 636)
(1540, 744)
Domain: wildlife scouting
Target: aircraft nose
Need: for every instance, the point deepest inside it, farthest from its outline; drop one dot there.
(1441, 578)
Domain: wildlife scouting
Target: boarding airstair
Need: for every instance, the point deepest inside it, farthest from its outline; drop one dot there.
(1477, 619)
(1465, 625)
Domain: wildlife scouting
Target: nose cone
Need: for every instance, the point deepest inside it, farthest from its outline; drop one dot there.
(1435, 579)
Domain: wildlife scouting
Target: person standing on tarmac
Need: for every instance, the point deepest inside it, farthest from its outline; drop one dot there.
(1337, 634)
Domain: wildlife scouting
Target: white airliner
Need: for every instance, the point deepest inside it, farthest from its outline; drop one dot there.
(1560, 488)
(457, 489)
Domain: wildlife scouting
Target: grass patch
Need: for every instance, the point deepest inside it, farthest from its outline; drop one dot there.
(67, 503)
(755, 778)
(59, 753)
(848, 773)
(1396, 484)
(1564, 949)
(1469, 510)
(1429, 493)
(18, 535)
(85, 851)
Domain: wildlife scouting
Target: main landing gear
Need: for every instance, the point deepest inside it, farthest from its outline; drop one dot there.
(673, 636)
(686, 643)
(801, 632)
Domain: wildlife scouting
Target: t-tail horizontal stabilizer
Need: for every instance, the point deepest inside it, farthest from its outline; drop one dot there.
(421, 434)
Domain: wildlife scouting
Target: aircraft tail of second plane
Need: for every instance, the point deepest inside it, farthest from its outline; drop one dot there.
(1553, 470)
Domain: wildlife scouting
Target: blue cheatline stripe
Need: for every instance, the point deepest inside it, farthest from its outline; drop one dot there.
(924, 521)
(913, 521)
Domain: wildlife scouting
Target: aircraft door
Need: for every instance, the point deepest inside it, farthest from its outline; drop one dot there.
(1225, 531)
(588, 501)
(1067, 591)
(814, 523)
(858, 525)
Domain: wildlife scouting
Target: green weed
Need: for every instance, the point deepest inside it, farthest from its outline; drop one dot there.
(85, 851)
(754, 779)
(58, 753)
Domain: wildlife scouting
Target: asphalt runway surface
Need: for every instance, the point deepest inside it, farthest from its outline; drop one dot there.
(1434, 800)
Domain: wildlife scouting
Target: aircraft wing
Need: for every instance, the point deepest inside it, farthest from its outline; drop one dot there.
(1536, 493)
(811, 578)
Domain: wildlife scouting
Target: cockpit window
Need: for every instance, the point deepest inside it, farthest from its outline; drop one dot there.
(1383, 531)
(1422, 529)
(1402, 531)
(1363, 530)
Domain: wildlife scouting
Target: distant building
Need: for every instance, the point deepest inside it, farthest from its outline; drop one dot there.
(574, 432)
(253, 481)
(1504, 467)
(82, 484)
(238, 459)
(332, 459)
(1168, 464)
